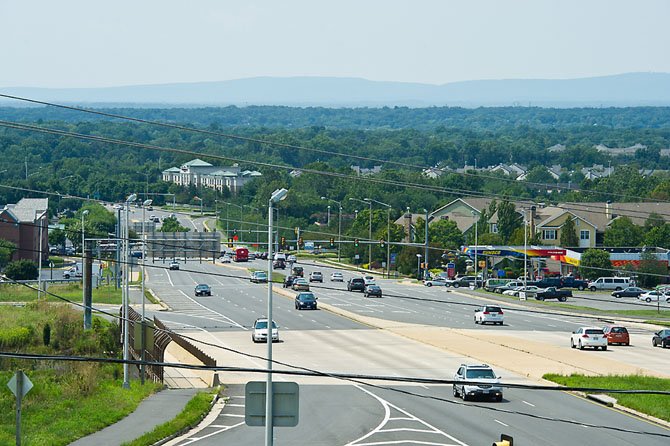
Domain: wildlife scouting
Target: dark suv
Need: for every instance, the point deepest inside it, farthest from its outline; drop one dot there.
(356, 284)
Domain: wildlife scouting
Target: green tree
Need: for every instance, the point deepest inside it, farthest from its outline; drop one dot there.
(654, 220)
(658, 236)
(595, 263)
(650, 271)
(569, 233)
(623, 232)
(508, 219)
(539, 174)
(445, 234)
(23, 269)
(7, 248)
(490, 238)
(171, 224)
(57, 237)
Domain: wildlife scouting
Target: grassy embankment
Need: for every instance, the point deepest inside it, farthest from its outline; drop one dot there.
(655, 405)
(69, 400)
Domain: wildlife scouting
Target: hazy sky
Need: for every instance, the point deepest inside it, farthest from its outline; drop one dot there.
(84, 43)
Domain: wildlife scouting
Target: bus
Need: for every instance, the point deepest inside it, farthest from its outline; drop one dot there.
(241, 255)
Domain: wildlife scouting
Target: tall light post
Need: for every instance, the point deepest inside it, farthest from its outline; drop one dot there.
(369, 203)
(474, 214)
(388, 233)
(418, 266)
(276, 197)
(145, 203)
(426, 242)
(525, 251)
(84, 213)
(200, 200)
(339, 225)
(126, 289)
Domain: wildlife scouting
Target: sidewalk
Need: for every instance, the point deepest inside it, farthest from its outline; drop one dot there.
(155, 410)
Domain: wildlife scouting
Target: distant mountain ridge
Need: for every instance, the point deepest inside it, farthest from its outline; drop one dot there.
(630, 89)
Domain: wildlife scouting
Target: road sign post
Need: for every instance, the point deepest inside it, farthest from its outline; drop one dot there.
(285, 404)
(20, 385)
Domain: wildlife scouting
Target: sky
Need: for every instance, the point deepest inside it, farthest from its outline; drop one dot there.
(83, 43)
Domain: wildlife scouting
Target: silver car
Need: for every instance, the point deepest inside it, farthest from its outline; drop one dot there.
(482, 382)
(260, 331)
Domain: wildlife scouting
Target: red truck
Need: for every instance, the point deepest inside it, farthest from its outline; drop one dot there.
(241, 255)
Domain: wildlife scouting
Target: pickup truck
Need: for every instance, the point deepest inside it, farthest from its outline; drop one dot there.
(571, 282)
(553, 293)
(464, 281)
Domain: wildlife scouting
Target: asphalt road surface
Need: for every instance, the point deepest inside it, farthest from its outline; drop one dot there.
(335, 412)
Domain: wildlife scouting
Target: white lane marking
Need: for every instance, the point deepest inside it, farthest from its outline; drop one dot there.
(215, 312)
(169, 278)
(387, 417)
(526, 402)
(500, 422)
(193, 440)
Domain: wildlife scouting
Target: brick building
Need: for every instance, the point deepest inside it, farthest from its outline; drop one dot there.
(20, 223)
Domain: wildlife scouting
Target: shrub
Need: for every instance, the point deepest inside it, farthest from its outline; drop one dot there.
(23, 269)
(14, 337)
(46, 334)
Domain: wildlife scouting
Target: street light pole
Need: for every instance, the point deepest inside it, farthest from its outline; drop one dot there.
(369, 203)
(339, 225)
(144, 272)
(388, 233)
(276, 197)
(84, 213)
(426, 244)
(525, 251)
(474, 214)
(126, 289)
(418, 266)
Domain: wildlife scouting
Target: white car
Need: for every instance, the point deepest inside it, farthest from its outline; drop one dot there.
(653, 296)
(292, 259)
(438, 281)
(489, 313)
(369, 280)
(226, 259)
(529, 289)
(336, 277)
(260, 331)
(484, 382)
(588, 337)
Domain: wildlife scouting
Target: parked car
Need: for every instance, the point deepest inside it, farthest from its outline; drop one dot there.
(372, 290)
(553, 293)
(661, 338)
(203, 289)
(510, 286)
(300, 284)
(356, 284)
(465, 281)
(437, 281)
(488, 384)
(609, 283)
(571, 282)
(259, 277)
(489, 313)
(174, 265)
(531, 289)
(336, 277)
(588, 337)
(616, 334)
(654, 296)
(631, 291)
(492, 284)
(260, 331)
(305, 300)
(316, 276)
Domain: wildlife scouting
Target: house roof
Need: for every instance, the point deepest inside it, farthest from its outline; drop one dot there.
(28, 210)
(197, 163)
(172, 169)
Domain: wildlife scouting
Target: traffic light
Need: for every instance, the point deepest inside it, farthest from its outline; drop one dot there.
(382, 243)
(332, 242)
(355, 243)
(283, 243)
(230, 242)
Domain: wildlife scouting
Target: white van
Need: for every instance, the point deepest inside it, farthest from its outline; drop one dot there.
(609, 283)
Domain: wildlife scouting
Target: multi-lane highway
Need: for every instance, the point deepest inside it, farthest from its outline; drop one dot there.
(335, 412)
